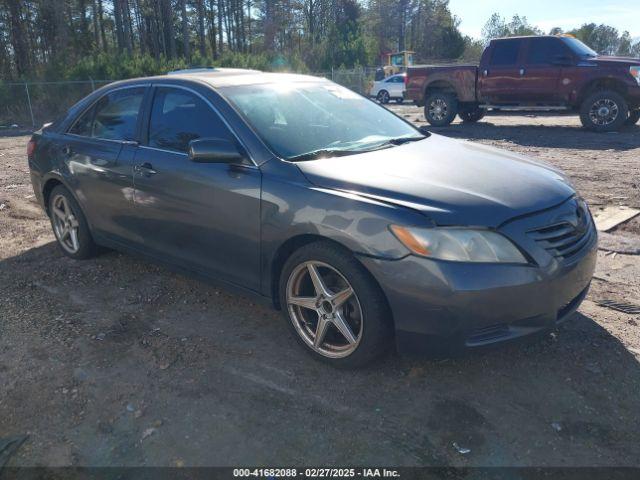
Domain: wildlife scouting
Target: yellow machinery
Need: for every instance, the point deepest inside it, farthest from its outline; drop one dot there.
(398, 62)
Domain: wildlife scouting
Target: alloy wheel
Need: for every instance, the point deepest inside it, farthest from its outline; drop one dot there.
(438, 109)
(383, 97)
(604, 112)
(65, 224)
(324, 309)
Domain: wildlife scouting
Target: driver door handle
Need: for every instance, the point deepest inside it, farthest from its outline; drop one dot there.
(522, 72)
(145, 169)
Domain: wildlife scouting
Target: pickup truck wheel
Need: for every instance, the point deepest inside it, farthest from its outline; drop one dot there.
(472, 116)
(604, 111)
(383, 97)
(633, 118)
(440, 108)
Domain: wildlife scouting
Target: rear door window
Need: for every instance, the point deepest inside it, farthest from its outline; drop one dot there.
(505, 52)
(178, 117)
(113, 117)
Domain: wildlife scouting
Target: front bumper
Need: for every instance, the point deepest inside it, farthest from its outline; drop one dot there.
(474, 305)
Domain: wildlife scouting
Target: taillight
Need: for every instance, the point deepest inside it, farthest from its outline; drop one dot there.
(31, 147)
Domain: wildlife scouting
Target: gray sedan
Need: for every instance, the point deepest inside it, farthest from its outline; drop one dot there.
(362, 229)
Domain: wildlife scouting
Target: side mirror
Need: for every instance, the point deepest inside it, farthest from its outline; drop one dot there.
(562, 60)
(214, 150)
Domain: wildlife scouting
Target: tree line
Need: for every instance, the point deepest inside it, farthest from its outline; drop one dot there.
(108, 39)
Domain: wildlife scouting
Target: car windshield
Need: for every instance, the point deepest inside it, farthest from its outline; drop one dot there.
(306, 120)
(579, 48)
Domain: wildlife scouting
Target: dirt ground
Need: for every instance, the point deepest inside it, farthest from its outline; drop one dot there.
(115, 361)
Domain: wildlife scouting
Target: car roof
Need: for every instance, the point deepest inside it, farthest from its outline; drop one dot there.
(224, 77)
(523, 37)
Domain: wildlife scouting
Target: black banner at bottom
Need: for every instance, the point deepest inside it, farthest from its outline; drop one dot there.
(405, 473)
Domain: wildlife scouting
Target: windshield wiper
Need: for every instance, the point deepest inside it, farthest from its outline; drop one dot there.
(401, 140)
(397, 141)
(342, 152)
(322, 152)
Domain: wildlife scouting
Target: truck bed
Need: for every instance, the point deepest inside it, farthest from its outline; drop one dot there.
(463, 77)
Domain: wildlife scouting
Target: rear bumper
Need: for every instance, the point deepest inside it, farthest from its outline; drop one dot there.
(36, 183)
(462, 305)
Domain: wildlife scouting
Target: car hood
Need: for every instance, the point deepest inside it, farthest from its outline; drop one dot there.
(452, 182)
(621, 61)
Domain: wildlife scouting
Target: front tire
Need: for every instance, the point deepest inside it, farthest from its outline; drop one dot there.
(440, 108)
(604, 111)
(634, 116)
(70, 225)
(336, 310)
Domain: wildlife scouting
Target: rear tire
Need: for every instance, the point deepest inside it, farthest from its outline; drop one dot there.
(70, 225)
(365, 311)
(604, 111)
(383, 97)
(440, 108)
(472, 115)
(634, 116)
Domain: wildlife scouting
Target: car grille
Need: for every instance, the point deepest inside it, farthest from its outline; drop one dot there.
(565, 239)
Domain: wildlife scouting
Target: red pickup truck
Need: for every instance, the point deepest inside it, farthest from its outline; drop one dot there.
(532, 73)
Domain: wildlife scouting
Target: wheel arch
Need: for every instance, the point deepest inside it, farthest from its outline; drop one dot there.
(51, 182)
(47, 188)
(603, 83)
(439, 86)
(293, 244)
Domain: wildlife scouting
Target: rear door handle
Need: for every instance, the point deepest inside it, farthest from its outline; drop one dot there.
(522, 72)
(145, 169)
(485, 72)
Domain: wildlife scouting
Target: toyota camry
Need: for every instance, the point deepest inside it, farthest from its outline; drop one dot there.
(366, 231)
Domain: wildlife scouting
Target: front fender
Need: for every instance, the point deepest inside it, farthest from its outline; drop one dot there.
(294, 207)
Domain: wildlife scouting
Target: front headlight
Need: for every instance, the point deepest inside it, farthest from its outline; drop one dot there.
(635, 73)
(458, 244)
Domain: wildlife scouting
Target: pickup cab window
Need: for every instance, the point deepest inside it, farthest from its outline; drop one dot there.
(543, 51)
(505, 52)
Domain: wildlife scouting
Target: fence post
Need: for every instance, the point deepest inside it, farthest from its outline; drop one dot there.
(332, 73)
(33, 122)
(93, 85)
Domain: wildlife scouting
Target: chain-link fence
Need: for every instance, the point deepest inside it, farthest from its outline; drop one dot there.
(357, 79)
(32, 104)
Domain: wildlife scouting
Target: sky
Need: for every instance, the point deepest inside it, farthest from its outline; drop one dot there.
(546, 14)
